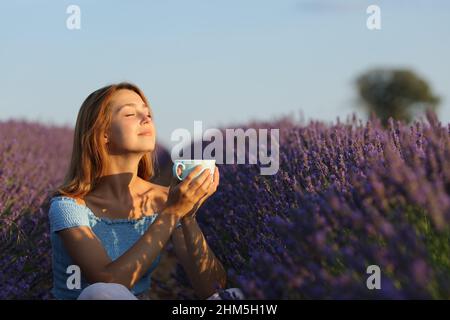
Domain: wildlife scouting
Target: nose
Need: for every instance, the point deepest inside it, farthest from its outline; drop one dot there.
(147, 124)
(147, 119)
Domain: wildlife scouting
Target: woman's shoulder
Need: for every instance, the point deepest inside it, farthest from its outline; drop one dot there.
(62, 198)
(64, 212)
(67, 199)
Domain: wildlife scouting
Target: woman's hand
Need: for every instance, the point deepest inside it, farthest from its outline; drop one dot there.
(184, 195)
(212, 189)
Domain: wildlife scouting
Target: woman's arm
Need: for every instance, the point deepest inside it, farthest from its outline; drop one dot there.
(201, 265)
(198, 260)
(87, 251)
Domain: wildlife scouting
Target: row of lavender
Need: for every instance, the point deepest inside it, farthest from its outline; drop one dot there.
(33, 159)
(347, 196)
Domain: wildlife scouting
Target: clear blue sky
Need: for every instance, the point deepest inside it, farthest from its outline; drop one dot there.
(217, 61)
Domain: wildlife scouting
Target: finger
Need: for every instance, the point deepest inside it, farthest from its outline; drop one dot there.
(202, 190)
(214, 185)
(216, 176)
(202, 200)
(198, 181)
(192, 174)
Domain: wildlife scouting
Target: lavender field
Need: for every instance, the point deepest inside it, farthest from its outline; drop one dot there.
(347, 195)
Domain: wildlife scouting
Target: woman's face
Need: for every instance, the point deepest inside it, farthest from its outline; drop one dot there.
(130, 118)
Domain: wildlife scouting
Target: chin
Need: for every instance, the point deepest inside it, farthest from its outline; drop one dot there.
(151, 148)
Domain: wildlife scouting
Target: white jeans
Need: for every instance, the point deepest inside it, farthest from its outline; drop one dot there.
(106, 291)
(116, 291)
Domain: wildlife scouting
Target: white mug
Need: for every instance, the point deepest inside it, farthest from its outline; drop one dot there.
(188, 165)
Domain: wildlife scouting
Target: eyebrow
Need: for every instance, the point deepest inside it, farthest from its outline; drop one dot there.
(131, 105)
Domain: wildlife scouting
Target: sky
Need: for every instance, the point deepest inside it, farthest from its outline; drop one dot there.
(221, 62)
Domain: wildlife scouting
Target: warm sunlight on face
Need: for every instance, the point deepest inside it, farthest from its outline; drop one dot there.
(132, 128)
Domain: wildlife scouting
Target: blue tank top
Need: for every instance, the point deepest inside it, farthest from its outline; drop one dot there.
(116, 235)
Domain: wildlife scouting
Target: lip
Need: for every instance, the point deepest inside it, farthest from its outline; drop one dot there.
(146, 133)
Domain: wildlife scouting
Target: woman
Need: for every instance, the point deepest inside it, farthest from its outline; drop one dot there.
(109, 224)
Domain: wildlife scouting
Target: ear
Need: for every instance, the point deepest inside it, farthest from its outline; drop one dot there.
(105, 137)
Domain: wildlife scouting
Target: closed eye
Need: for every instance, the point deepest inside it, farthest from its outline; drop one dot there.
(133, 115)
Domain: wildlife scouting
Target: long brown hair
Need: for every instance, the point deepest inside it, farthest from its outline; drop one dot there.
(89, 151)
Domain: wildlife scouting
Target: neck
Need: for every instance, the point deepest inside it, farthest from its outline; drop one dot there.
(120, 179)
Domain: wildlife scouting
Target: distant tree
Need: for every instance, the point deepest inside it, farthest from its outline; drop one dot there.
(396, 93)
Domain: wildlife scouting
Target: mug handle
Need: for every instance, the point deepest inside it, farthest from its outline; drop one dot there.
(175, 169)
